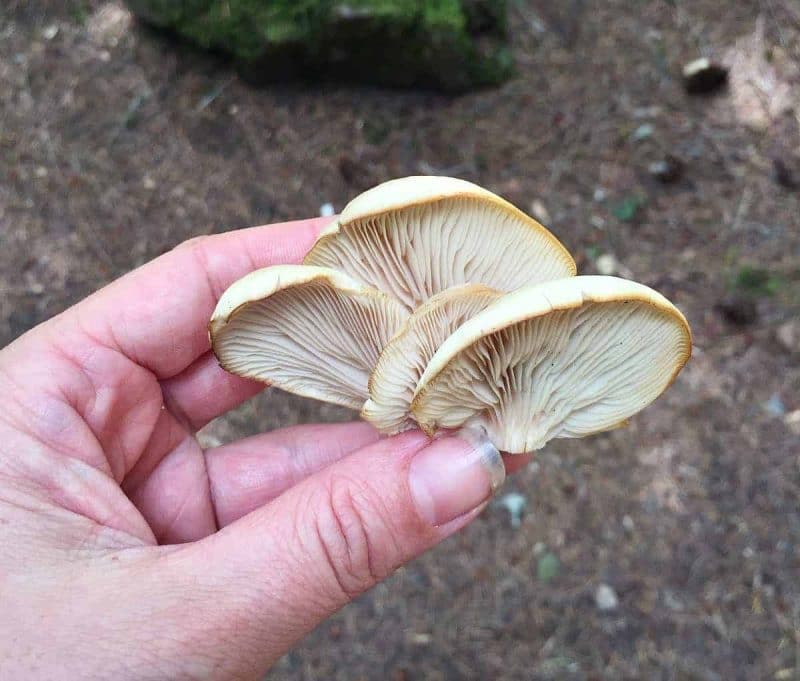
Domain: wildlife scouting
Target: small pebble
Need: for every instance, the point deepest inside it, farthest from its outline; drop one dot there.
(702, 76)
(515, 504)
(627, 523)
(108, 24)
(775, 406)
(667, 170)
(605, 598)
(599, 194)
(607, 264)
(792, 421)
(539, 211)
(50, 32)
(148, 182)
(326, 210)
(788, 335)
(644, 131)
(421, 638)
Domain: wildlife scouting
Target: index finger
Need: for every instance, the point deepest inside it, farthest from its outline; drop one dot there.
(157, 314)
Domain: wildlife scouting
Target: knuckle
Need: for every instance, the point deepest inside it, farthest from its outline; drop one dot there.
(348, 527)
(193, 242)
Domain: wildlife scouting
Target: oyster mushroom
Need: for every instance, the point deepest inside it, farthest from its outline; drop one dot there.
(403, 360)
(308, 330)
(566, 358)
(417, 236)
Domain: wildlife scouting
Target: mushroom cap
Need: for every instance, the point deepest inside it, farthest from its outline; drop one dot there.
(417, 236)
(403, 360)
(309, 330)
(566, 358)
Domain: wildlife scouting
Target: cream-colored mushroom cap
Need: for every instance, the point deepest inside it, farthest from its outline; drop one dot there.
(565, 358)
(392, 383)
(417, 236)
(309, 330)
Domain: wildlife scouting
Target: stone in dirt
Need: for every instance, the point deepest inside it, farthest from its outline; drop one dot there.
(605, 598)
(667, 170)
(702, 76)
(788, 335)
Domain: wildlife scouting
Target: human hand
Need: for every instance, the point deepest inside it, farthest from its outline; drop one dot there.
(126, 551)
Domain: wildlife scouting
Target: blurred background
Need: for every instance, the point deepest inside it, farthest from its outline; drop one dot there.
(667, 550)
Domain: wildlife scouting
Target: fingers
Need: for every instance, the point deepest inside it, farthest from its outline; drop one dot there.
(183, 492)
(249, 473)
(175, 498)
(187, 493)
(274, 574)
(204, 390)
(169, 485)
(157, 315)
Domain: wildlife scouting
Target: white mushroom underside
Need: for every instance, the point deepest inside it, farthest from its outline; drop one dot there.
(311, 340)
(568, 373)
(418, 251)
(405, 357)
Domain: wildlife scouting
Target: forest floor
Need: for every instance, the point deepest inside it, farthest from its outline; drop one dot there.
(115, 146)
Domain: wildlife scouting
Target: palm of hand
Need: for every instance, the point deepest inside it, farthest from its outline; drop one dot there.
(128, 552)
(109, 394)
(102, 479)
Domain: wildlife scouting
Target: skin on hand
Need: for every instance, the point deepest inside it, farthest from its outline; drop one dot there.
(126, 551)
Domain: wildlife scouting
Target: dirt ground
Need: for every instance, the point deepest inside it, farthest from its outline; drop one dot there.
(115, 145)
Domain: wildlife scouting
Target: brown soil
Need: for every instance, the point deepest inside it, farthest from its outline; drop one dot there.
(115, 146)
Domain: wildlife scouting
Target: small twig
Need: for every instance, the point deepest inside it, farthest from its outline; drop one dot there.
(209, 97)
(129, 115)
(531, 18)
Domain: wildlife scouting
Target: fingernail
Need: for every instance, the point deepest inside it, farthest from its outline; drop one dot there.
(455, 475)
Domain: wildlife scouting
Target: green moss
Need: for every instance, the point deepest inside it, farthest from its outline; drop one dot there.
(387, 42)
(444, 15)
(244, 28)
(289, 20)
(757, 281)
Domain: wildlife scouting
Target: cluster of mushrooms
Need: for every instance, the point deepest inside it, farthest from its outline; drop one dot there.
(433, 303)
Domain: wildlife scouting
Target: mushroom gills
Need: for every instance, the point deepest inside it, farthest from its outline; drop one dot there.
(403, 360)
(308, 330)
(418, 236)
(562, 359)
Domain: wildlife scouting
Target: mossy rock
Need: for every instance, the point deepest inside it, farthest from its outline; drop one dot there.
(450, 45)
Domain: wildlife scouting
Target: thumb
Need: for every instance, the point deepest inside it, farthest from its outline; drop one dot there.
(279, 571)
